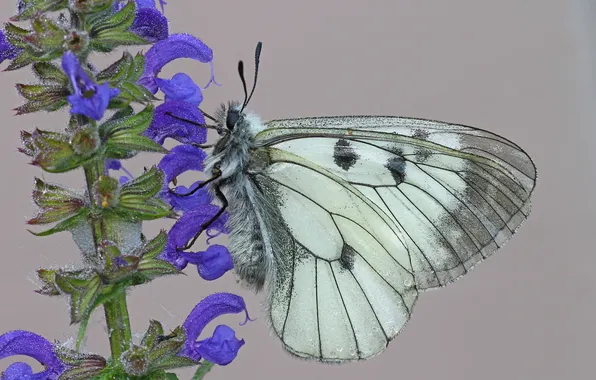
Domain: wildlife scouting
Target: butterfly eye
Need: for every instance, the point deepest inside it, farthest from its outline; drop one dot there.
(232, 118)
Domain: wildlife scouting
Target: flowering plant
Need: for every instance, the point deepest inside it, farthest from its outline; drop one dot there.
(113, 117)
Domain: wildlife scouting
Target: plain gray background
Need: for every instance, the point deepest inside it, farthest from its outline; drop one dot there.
(524, 70)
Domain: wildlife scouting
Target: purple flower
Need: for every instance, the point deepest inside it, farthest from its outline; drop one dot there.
(150, 24)
(181, 87)
(185, 228)
(179, 201)
(212, 263)
(175, 46)
(182, 158)
(19, 342)
(89, 98)
(164, 126)
(223, 346)
(7, 50)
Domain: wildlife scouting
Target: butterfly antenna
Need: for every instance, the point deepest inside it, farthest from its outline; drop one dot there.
(208, 116)
(241, 73)
(257, 59)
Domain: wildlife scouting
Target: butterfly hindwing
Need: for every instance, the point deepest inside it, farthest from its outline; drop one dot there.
(349, 288)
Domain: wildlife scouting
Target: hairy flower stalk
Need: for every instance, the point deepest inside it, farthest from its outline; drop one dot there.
(113, 118)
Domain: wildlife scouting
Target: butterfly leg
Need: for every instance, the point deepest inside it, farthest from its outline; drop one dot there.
(205, 226)
(216, 175)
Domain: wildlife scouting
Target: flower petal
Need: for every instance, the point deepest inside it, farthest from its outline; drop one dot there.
(7, 50)
(222, 347)
(145, 4)
(164, 126)
(186, 227)
(113, 164)
(181, 87)
(181, 202)
(176, 46)
(212, 263)
(150, 24)
(19, 342)
(182, 158)
(93, 106)
(207, 310)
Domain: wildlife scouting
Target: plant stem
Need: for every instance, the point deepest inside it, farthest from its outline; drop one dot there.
(115, 309)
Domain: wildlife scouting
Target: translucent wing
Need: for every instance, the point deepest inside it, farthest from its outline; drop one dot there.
(457, 192)
(344, 285)
(379, 208)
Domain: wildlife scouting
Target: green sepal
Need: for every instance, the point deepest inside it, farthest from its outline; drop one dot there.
(155, 246)
(42, 97)
(121, 20)
(29, 8)
(92, 6)
(48, 279)
(124, 74)
(23, 59)
(203, 369)
(49, 73)
(163, 355)
(47, 35)
(125, 135)
(111, 30)
(53, 151)
(67, 224)
(137, 197)
(171, 376)
(80, 366)
(55, 202)
(150, 269)
(83, 287)
(16, 35)
(152, 334)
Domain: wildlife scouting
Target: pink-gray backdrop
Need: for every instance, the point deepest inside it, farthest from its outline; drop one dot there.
(523, 69)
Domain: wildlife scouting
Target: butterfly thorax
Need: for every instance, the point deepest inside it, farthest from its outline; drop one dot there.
(231, 153)
(231, 161)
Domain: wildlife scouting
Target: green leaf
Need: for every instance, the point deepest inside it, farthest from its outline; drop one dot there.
(65, 225)
(29, 8)
(203, 370)
(16, 35)
(171, 376)
(50, 73)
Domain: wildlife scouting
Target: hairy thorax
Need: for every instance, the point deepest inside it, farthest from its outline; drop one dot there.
(248, 240)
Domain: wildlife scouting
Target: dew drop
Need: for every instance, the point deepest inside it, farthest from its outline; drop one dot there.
(407, 283)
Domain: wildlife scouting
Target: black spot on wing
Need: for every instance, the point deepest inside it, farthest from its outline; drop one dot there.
(421, 134)
(397, 168)
(346, 259)
(344, 154)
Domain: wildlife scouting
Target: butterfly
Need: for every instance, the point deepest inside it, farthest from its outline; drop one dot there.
(345, 220)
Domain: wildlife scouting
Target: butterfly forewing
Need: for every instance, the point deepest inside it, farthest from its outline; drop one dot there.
(379, 208)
